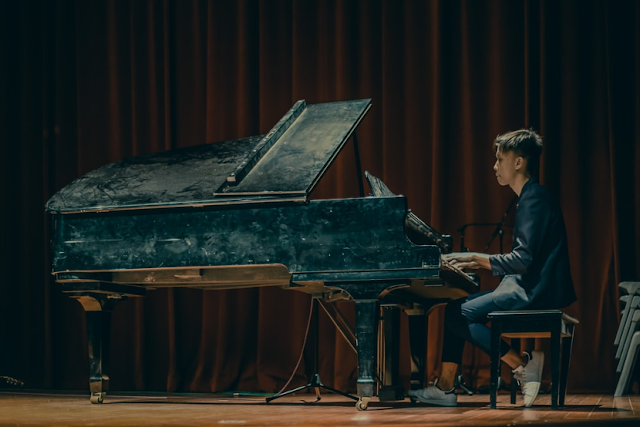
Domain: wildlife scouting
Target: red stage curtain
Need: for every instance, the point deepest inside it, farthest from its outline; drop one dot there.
(83, 84)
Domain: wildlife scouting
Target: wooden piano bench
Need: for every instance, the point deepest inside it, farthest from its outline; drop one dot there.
(553, 324)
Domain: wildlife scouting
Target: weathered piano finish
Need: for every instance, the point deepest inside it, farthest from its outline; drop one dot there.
(237, 214)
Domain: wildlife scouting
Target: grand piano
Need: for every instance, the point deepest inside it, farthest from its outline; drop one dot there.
(238, 214)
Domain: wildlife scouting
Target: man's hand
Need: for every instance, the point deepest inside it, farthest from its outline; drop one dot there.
(473, 260)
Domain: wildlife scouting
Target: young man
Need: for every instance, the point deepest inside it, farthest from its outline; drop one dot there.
(536, 273)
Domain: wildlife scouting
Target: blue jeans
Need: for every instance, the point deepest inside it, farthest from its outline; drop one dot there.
(465, 319)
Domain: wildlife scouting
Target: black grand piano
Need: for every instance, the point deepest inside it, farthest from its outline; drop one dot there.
(237, 214)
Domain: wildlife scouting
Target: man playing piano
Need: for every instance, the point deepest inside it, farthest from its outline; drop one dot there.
(536, 273)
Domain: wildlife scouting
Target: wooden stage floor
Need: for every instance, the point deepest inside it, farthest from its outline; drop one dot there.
(52, 409)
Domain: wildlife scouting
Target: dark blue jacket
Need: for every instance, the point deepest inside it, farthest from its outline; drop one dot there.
(536, 271)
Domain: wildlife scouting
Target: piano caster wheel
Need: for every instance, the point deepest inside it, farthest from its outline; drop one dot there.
(97, 397)
(363, 403)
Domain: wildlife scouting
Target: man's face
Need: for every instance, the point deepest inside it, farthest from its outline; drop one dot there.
(505, 167)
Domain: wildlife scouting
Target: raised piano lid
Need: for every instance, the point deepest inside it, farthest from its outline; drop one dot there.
(283, 165)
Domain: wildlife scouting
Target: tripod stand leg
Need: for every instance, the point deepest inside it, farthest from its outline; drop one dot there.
(460, 384)
(326, 387)
(292, 391)
(315, 381)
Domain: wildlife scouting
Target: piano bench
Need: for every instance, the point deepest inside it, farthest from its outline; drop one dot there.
(553, 324)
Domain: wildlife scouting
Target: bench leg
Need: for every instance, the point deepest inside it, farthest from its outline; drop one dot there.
(567, 344)
(496, 333)
(555, 364)
(516, 345)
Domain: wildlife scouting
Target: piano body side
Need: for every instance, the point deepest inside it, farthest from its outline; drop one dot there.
(335, 239)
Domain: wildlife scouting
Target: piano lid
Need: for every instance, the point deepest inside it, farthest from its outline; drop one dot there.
(283, 165)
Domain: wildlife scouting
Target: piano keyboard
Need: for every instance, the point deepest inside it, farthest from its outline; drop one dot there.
(445, 265)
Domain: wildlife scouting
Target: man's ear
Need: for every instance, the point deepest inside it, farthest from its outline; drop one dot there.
(519, 162)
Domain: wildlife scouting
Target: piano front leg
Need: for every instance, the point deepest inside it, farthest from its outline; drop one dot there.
(366, 333)
(98, 298)
(98, 308)
(366, 297)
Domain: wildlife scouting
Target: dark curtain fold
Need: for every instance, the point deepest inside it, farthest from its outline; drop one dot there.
(83, 84)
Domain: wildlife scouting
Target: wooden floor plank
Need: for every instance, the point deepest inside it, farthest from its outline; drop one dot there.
(56, 410)
(582, 407)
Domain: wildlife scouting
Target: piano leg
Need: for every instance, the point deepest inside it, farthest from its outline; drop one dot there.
(391, 389)
(98, 308)
(365, 296)
(366, 329)
(418, 345)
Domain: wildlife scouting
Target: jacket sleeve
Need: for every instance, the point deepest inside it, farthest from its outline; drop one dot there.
(533, 223)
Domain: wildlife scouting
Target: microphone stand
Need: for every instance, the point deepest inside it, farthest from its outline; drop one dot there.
(459, 381)
(498, 230)
(463, 228)
(314, 380)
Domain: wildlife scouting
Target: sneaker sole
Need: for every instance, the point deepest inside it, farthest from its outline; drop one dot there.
(535, 395)
(540, 366)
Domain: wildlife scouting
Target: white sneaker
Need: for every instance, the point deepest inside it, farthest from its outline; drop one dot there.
(434, 396)
(529, 376)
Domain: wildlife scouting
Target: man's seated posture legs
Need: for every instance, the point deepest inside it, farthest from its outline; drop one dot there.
(465, 320)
